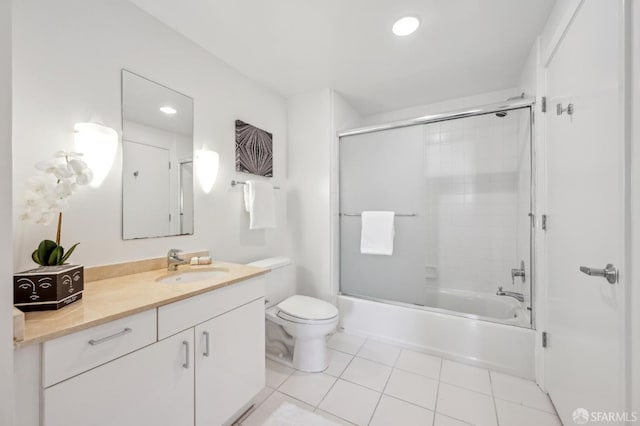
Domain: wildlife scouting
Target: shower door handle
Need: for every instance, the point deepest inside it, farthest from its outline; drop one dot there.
(609, 272)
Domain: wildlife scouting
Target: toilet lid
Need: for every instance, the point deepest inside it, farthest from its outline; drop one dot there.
(308, 308)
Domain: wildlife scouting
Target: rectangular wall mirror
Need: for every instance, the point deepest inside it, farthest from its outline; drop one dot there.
(157, 165)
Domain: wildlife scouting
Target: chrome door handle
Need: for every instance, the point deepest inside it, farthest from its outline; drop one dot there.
(187, 357)
(94, 342)
(206, 343)
(609, 272)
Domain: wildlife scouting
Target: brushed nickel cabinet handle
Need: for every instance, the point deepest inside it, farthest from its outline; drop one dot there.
(187, 357)
(206, 343)
(94, 342)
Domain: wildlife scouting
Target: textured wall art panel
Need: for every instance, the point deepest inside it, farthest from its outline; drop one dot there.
(254, 150)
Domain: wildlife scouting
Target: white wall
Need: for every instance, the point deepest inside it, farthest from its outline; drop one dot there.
(314, 118)
(6, 267)
(67, 60)
(309, 123)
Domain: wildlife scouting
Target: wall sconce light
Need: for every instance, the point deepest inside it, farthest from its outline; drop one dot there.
(207, 163)
(99, 145)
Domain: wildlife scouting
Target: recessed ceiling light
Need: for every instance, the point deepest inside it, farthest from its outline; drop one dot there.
(168, 110)
(405, 26)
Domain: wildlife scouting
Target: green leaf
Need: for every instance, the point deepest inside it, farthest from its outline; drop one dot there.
(55, 257)
(66, 256)
(45, 249)
(35, 257)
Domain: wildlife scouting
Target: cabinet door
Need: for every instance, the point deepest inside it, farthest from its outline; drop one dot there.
(230, 363)
(152, 386)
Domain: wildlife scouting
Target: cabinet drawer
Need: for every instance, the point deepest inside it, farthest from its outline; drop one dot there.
(181, 315)
(70, 355)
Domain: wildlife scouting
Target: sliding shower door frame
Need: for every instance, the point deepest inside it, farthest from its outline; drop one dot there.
(513, 104)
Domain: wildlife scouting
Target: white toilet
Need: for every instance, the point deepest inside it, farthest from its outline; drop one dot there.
(296, 326)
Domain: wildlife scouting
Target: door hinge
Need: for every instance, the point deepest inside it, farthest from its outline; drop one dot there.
(532, 218)
(544, 104)
(169, 165)
(544, 222)
(545, 340)
(169, 217)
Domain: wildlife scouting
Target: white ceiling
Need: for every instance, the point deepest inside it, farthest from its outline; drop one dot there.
(464, 47)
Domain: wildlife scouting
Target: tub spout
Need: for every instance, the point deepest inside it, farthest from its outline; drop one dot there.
(518, 296)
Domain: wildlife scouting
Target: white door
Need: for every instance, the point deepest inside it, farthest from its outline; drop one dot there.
(584, 360)
(152, 386)
(230, 363)
(145, 191)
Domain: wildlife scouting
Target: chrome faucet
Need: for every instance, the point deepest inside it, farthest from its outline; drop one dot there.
(518, 296)
(174, 259)
(518, 273)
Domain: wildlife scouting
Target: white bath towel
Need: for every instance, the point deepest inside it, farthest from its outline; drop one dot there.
(377, 233)
(259, 201)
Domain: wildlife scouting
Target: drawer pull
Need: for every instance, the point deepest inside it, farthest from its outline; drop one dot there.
(186, 363)
(206, 343)
(94, 342)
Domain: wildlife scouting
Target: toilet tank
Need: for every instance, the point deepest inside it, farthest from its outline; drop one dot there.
(280, 282)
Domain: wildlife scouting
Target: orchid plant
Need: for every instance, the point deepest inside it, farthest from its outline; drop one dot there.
(47, 196)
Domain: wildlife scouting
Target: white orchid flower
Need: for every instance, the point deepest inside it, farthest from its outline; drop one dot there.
(77, 165)
(45, 196)
(62, 171)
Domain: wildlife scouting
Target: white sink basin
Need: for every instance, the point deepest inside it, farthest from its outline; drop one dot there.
(193, 275)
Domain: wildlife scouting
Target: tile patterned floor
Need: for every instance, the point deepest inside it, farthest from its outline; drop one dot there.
(377, 384)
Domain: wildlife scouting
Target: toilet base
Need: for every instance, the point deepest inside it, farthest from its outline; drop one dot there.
(310, 355)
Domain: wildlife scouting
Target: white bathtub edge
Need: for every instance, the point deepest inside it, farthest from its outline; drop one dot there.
(498, 347)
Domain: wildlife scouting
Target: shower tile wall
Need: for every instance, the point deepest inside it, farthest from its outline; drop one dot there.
(472, 202)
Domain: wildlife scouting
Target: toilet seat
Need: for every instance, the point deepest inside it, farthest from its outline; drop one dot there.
(290, 318)
(306, 309)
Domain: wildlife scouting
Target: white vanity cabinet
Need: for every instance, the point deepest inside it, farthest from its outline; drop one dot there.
(229, 351)
(230, 366)
(152, 386)
(197, 361)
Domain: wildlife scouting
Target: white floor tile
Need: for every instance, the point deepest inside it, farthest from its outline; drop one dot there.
(469, 406)
(466, 376)
(442, 420)
(271, 404)
(510, 413)
(413, 388)
(379, 352)
(333, 418)
(419, 363)
(521, 391)
(262, 396)
(338, 361)
(350, 402)
(367, 373)
(277, 373)
(346, 343)
(392, 411)
(307, 387)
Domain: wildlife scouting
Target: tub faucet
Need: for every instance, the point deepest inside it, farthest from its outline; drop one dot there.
(518, 296)
(174, 259)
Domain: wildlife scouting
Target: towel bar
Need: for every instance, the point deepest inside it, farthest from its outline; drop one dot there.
(239, 182)
(397, 214)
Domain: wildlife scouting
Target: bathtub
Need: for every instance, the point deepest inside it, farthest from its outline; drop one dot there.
(485, 337)
(481, 306)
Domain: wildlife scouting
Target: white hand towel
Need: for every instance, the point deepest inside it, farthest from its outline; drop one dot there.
(377, 233)
(259, 201)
